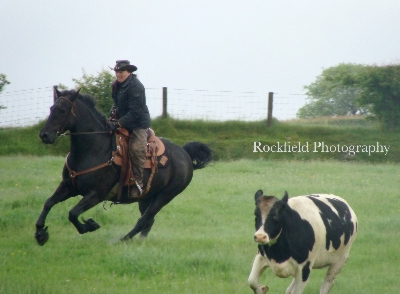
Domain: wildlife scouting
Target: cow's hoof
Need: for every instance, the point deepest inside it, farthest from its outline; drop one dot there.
(42, 236)
(263, 289)
(91, 225)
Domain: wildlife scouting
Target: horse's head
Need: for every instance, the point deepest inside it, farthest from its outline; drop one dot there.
(61, 116)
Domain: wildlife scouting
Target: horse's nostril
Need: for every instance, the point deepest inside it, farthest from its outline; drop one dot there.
(44, 136)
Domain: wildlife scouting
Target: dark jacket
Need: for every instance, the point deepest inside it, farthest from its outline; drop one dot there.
(130, 100)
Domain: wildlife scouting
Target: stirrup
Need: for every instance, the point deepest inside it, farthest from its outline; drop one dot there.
(139, 188)
(137, 195)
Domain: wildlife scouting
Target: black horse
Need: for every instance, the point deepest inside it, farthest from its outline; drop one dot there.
(91, 146)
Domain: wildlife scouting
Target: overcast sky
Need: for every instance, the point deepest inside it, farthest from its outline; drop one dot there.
(262, 46)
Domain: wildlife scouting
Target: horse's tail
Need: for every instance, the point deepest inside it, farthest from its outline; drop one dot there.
(200, 154)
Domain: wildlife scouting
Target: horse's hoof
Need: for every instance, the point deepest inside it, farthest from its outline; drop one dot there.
(42, 236)
(91, 225)
(124, 239)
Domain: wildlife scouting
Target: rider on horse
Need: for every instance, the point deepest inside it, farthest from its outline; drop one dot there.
(130, 112)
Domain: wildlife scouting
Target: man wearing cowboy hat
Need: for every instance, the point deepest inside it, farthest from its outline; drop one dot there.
(130, 109)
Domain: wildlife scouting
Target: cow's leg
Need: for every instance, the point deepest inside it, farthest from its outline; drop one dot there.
(300, 279)
(296, 287)
(259, 265)
(333, 271)
(88, 201)
(290, 288)
(61, 194)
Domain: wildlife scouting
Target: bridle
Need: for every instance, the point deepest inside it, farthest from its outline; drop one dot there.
(62, 132)
(59, 133)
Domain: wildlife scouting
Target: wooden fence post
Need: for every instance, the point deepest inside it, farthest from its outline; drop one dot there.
(270, 106)
(164, 101)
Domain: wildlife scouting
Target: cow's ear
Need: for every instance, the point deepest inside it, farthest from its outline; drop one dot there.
(285, 197)
(258, 194)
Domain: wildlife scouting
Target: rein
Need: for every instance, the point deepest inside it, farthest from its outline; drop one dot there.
(84, 133)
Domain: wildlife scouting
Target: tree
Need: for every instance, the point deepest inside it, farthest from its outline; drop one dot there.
(3, 83)
(352, 88)
(330, 96)
(99, 87)
(380, 91)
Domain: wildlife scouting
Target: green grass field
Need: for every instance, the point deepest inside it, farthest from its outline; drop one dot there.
(202, 242)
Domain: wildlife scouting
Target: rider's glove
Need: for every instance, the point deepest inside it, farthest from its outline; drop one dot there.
(113, 126)
(113, 112)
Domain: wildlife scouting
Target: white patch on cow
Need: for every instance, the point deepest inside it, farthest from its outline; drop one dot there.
(285, 269)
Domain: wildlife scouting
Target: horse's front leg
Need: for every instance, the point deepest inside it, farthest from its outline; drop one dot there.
(62, 193)
(87, 202)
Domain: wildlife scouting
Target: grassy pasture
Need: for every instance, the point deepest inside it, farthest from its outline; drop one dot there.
(201, 242)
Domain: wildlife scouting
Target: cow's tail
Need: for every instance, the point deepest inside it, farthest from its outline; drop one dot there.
(200, 153)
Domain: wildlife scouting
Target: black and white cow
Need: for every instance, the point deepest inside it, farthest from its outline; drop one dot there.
(297, 234)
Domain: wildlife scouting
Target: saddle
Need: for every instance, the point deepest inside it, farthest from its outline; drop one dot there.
(155, 148)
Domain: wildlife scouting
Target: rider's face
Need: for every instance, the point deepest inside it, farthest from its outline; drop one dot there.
(121, 75)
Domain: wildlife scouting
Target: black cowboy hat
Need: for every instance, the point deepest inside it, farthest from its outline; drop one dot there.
(124, 65)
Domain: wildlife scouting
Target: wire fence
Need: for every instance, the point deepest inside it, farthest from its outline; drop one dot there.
(28, 107)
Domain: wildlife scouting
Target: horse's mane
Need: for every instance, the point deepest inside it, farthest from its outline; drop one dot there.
(85, 98)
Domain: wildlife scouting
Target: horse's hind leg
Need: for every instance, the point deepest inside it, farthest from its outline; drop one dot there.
(143, 205)
(61, 194)
(88, 201)
(147, 219)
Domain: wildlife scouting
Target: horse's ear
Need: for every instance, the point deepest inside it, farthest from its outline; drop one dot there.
(56, 93)
(73, 97)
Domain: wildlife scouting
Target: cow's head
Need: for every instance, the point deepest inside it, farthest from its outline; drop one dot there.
(269, 214)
